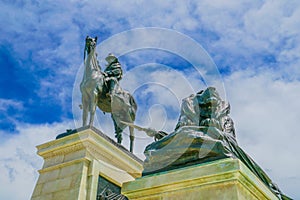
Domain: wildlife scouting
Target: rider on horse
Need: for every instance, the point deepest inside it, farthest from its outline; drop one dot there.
(113, 72)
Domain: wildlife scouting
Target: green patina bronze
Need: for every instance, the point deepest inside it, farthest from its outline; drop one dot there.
(204, 132)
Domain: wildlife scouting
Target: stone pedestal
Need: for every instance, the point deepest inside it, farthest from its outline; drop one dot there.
(222, 179)
(73, 164)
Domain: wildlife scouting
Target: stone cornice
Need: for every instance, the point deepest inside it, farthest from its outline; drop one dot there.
(95, 146)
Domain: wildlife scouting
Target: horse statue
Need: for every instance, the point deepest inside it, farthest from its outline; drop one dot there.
(94, 90)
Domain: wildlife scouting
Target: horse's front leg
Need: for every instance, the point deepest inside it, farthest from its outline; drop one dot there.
(93, 105)
(85, 110)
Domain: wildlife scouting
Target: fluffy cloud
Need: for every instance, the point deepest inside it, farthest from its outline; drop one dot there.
(238, 34)
(9, 108)
(18, 159)
(266, 115)
(259, 108)
(254, 43)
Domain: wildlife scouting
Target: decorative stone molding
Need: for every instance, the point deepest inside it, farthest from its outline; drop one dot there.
(74, 162)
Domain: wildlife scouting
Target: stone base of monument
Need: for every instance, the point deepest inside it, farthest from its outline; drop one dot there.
(222, 179)
(84, 164)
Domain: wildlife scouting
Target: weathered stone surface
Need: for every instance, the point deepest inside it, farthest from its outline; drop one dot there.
(221, 179)
(74, 162)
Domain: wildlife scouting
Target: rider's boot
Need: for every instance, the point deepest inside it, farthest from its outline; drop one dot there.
(111, 88)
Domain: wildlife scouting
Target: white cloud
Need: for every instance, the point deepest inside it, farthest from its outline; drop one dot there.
(248, 32)
(259, 102)
(18, 159)
(6, 103)
(10, 110)
(239, 34)
(266, 115)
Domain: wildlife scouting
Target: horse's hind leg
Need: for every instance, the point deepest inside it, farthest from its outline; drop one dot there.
(84, 117)
(131, 130)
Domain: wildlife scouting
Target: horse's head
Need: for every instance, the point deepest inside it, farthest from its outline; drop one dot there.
(90, 44)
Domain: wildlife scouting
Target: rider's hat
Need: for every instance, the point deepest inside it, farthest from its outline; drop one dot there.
(111, 58)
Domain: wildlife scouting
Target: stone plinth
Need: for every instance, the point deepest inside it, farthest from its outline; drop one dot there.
(223, 179)
(72, 165)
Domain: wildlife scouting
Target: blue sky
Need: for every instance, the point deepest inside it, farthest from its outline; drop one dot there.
(254, 45)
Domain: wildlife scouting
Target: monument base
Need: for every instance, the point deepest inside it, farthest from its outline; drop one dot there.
(222, 179)
(85, 164)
